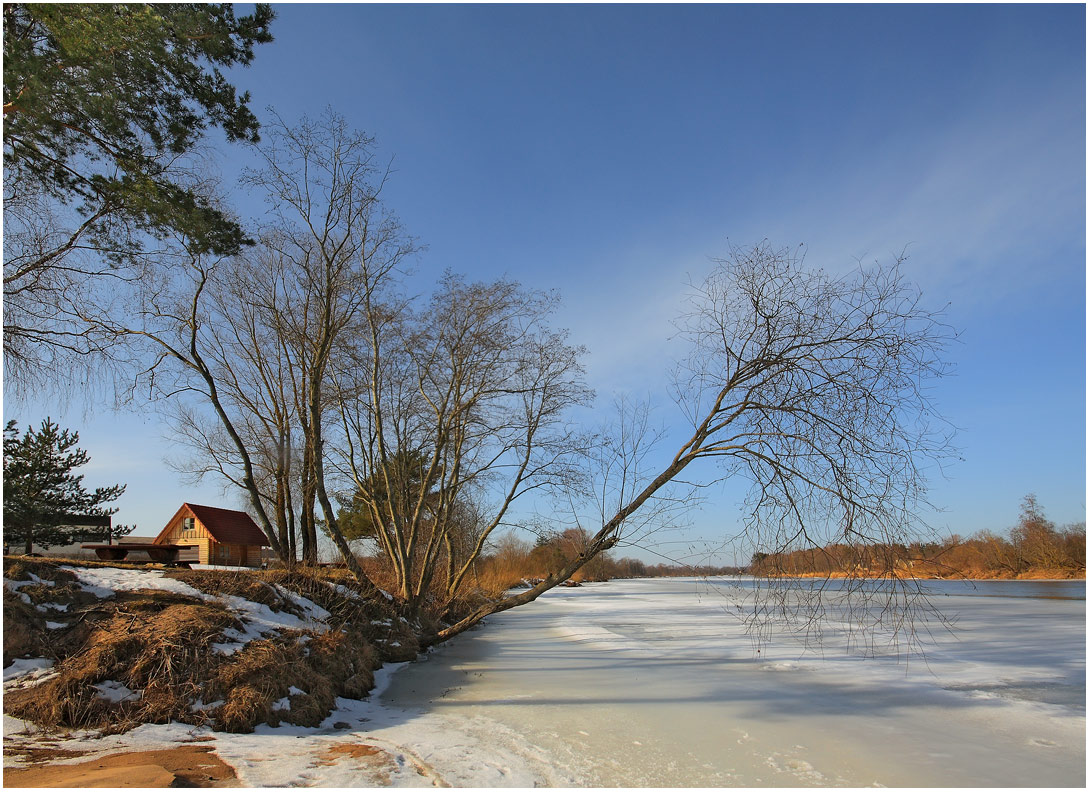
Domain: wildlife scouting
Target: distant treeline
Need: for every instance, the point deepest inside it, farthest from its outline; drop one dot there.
(1035, 547)
(514, 560)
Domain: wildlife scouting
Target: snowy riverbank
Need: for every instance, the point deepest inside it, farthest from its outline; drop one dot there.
(653, 682)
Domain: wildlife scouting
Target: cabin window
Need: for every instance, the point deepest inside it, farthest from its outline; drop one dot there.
(189, 525)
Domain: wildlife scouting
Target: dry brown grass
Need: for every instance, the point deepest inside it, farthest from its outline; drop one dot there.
(160, 643)
(378, 570)
(156, 644)
(324, 666)
(256, 678)
(22, 568)
(497, 577)
(24, 633)
(317, 586)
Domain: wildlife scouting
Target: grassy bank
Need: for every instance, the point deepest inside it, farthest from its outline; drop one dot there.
(227, 649)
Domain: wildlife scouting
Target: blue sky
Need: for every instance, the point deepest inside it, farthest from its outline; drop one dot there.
(609, 151)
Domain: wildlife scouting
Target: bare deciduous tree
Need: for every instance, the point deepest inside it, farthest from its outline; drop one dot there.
(49, 267)
(336, 247)
(254, 336)
(812, 388)
(473, 389)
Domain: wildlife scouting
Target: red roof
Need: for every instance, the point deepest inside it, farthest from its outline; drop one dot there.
(228, 526)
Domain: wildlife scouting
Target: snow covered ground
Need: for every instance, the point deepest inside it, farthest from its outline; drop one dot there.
(654, 683)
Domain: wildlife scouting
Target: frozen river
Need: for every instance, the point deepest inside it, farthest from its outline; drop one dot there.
(655, 683)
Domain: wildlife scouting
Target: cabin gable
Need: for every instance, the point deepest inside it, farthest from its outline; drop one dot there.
(186, 530)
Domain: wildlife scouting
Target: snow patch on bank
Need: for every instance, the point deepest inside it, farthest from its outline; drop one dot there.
(115, 692)
(105, 582)
(28, 668)
(258, 619)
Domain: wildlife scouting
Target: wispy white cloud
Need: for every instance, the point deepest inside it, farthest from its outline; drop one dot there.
(987, 203)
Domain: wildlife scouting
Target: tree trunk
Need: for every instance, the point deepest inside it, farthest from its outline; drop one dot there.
(605, 539)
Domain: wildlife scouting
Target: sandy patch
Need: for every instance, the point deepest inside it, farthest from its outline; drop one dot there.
(187, 765)
(353, 750)
(374, 764)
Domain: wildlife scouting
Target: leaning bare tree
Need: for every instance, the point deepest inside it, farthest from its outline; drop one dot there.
(814, 389)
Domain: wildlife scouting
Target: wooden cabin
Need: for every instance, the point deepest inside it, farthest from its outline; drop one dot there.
(210, 535)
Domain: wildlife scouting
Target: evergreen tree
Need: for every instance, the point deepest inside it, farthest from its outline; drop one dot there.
(393, 489)
(104, 108)
(101, 99)
(41, 493)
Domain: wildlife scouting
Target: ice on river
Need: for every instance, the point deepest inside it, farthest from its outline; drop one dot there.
(656, 683)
